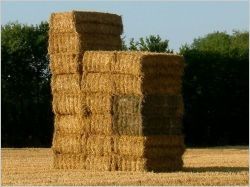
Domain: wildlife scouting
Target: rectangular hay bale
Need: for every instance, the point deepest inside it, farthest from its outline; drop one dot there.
(65, 63)
(135, 76)
(71, 124)
(69, 161)
(97, 103)
(97, 82)
(78, 43)
(86, 22)
(66, 83)
(66, 104)
(68, 143)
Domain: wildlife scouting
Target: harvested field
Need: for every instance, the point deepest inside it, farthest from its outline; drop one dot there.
(211, 166)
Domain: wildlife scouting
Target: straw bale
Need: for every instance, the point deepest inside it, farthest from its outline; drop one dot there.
(93, 124)
(93, 22)
(127, 124)
(126, 104)
(163, 100)
(144, 164)
(71, 124)
(149, 146)
(99, 163)
(164, 164)
(132, 71)
(153, 84)
(124, 153)
(99, 145)
(63, 43)
(163, 65)
(100, 124)
(169, 79)
(112, 61)
(128, 63)
(132, 164)
(67, 103)
(66, 83)
(65, 63)
(162, 126)
(68, 143)
(164, 88)
(97, 82)
(117, 84)
(78, 43)
(163, 105)
(127, 84)
(136, 124)
(69, 161)
(129, 149)
(97, 103)
(161, 111)
(114, 163)
(92, 61)
(99, 28)
(154, 140)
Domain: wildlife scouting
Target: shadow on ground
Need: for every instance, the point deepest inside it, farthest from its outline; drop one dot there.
(215, 169)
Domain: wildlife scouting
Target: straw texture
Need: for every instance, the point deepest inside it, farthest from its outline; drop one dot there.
(113, 110)
(65, 63)
(86, 22)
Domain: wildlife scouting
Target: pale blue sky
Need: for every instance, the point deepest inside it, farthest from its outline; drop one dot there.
(179, 22)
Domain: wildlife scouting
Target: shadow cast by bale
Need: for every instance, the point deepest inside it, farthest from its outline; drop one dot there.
(214, 169)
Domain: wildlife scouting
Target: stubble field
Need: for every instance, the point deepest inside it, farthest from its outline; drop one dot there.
(211, 166)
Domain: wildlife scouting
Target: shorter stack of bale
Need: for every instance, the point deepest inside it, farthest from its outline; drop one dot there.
(138, 96)
(70, 35)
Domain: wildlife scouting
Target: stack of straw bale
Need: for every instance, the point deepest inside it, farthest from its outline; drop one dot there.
(113, 110)
(138, 97)
(70, 35)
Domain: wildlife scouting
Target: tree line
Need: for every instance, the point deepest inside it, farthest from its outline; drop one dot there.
(215, 86)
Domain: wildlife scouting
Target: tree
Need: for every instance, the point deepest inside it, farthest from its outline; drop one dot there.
(26, 110)
(151, 43)
(215, 89)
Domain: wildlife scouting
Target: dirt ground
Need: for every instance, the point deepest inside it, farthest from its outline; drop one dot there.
(208, 166)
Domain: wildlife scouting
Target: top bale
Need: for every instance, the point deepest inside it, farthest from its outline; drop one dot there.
(133, 63)
(133, 72)
(86, 22)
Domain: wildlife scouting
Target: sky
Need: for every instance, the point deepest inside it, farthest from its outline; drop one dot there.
(179, 22)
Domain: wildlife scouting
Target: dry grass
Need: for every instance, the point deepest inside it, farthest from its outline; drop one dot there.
(213, 166)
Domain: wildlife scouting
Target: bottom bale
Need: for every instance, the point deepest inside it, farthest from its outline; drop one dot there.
(144, 164)
(100, 163)
(149, 146)
(101, 145)
(68, 143)
(69, 161)
(164, 164)
(83, 161)
(116, 163)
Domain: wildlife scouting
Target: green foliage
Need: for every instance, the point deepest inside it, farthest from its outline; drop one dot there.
(151, 43)
(124, 47)
(25, 82)
(215, 87)
(222, 43)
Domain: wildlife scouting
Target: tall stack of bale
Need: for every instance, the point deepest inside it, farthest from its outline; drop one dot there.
(134, 110)
(70, 35)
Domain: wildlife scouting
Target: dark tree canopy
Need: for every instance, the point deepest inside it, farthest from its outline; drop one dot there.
(215, 88)
(26, 111)
(151, 43)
